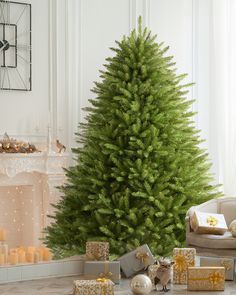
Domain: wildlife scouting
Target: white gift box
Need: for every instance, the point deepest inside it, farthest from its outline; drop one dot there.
(208, 223)
(136, 260)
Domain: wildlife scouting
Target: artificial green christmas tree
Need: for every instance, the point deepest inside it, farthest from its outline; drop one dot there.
(139, 167)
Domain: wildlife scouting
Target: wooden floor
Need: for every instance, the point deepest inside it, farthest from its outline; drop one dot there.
(63, 286)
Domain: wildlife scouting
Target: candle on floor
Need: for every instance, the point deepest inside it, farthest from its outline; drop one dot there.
(47, 255)
(30, 257)
(40, 250)
(4, 249)
(13, 250)
(2, 259)
(31, 249)
(22, 248)
(22, 256)
(2, 234)
(13, 259)
(36, 257)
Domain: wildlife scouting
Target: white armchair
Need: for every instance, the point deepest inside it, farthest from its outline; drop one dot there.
(208, 244)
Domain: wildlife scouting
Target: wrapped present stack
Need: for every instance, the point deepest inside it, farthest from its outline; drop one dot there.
(100, 274)
(183, 258)
(209, 276)
(97, 264)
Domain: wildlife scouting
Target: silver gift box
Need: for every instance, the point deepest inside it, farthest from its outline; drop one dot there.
(134, 261)
(108, 269)
(226, 262)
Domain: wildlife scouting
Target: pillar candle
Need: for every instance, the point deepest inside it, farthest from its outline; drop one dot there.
(21, 248)
(13, 259)
(4, 249)
(31, 249)
(13, 250)
(21, 256)
(2, 234)
(2, 259)
(36, 257)
(47, 255)
(30, 257)
(40, 252)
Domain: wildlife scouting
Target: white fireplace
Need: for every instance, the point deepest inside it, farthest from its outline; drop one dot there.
(27, 189)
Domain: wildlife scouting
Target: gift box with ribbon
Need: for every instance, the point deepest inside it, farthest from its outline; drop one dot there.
(100, 286)
(206, 278)
(227, 262)
(183, 258)
(103, 269)
(208, 223)
(136, 260)
(96, 250)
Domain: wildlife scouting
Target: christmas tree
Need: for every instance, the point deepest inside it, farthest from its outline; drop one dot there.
(139, 166)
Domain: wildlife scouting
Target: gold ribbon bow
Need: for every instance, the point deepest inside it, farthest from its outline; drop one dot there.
(102, 280)
(226, 265)
(212, 221)
(104, 287)
(181, 263)
(216, 278)
(143, 257)
(107, 273)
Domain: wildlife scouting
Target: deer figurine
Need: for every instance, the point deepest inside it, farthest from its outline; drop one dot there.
(163, 274)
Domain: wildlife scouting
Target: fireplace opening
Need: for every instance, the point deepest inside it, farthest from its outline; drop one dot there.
(21, 215)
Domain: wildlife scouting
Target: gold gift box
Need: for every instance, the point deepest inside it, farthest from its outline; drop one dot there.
(183, 258)
(152, 272)
(206, 278)
(96, 250)
(93, 287)
(208, 223)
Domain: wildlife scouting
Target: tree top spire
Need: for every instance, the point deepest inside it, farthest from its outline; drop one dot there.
(140, 24)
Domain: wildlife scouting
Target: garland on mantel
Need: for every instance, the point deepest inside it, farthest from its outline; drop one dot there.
(11, 145)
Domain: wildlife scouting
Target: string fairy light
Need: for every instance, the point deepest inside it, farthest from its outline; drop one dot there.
(26, 205)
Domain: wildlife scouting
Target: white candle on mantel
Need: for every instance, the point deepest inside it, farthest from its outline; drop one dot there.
(2, 234)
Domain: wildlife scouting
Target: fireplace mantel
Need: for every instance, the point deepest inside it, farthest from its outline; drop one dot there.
(32, 179)
(42, 162)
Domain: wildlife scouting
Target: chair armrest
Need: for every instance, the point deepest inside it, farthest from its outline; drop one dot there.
(187, 222)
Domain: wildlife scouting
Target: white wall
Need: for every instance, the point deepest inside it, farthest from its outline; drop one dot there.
(71, 39)
(26, 114)
(22, 113)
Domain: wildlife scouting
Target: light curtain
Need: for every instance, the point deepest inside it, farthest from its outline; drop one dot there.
(216, 90)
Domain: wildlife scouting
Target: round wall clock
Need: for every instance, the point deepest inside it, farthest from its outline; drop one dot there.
(15, 46)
